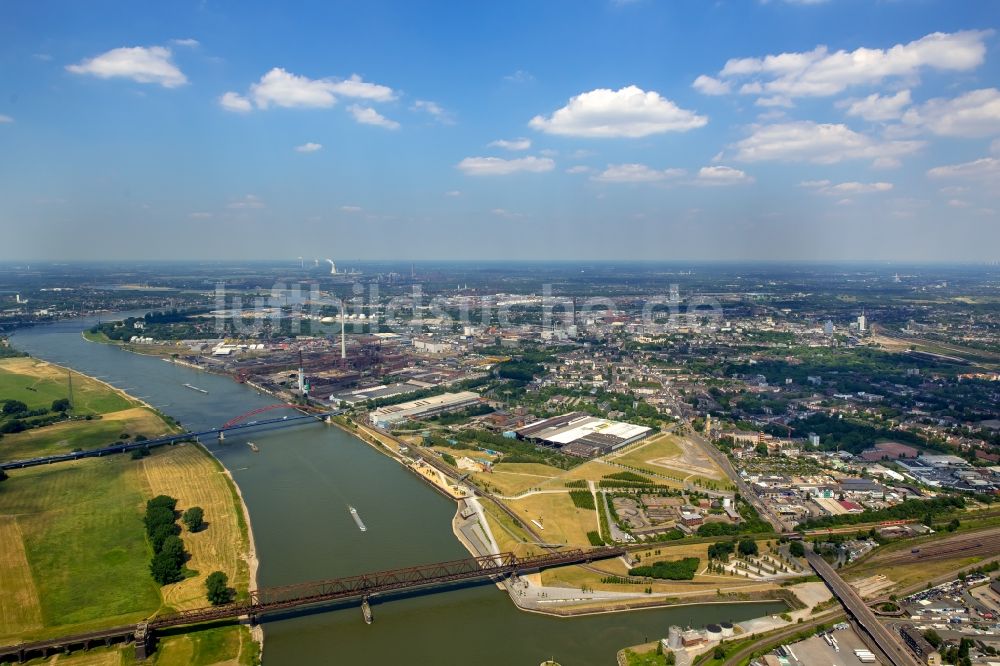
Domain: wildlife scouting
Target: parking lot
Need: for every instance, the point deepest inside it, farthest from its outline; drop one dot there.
(816, 650)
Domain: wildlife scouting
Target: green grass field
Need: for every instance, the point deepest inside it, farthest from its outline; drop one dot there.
(218, 645)
(84, 543)
(37, 384)
(68, 435)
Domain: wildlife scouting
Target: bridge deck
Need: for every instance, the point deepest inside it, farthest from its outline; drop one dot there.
(280, 422)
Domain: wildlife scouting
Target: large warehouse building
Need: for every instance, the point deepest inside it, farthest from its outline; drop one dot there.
(583, 435)
(387, 417)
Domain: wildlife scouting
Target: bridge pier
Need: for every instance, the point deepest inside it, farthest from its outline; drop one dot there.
(145, 641)
(366, 611)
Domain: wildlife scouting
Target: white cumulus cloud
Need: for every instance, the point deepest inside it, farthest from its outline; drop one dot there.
(722, 175)
(309, 147)
(232, 101)
(821, 72)
(972, 114)
(636, 173)
(877, 107)
(369, 116)
(629, 112)
(497, 166)
(282, 88)
(848, 188)
(5, 119)
(279, 87)
(983, 169)
(145, 64)
(807, 141)
(436, 111)
(360, 89)
(512, 144)
(708, 85)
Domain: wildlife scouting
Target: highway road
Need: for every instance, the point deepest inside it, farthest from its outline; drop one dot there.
(880, 639)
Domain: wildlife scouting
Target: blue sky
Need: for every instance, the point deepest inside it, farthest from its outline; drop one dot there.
(837, 129)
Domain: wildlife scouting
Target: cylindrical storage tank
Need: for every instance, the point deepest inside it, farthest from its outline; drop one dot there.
(727, 629)
(713, 632)
(674, 636)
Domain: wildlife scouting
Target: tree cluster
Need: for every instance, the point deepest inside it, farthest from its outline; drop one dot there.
(683, 569)
(915, 508)
(163, 532)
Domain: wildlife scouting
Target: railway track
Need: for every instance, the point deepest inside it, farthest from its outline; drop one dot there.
(970, 545)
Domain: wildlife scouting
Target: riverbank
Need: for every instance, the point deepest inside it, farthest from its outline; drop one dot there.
(252, 561)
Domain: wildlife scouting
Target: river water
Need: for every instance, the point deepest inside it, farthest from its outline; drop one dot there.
(298, 489)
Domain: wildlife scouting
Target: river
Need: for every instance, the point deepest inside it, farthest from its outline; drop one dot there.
(297, 490)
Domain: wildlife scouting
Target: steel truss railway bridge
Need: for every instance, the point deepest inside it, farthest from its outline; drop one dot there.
(315, 594)
(237, 424)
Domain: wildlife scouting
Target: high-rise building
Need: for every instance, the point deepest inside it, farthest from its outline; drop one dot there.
(862, 322)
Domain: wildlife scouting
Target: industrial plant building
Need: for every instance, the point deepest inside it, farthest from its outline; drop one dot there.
(580, 434)
(387, 417)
